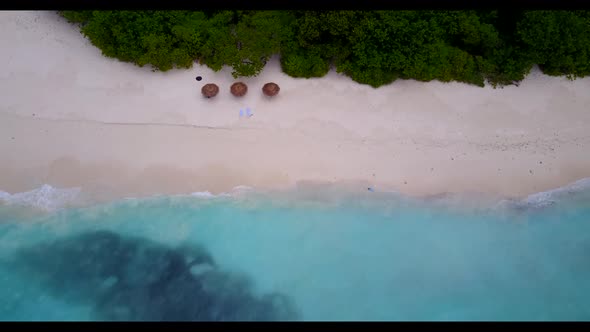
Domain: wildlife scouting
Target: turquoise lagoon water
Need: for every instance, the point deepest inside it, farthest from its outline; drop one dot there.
(300, 255)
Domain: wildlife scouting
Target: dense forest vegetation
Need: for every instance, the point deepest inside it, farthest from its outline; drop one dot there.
(372, 47)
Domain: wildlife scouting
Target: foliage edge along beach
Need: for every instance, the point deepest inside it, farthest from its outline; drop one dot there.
(370, 47)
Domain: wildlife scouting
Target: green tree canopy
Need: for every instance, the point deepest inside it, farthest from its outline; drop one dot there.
(371, 47)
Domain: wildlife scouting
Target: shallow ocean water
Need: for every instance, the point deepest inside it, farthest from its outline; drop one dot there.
(300, 255)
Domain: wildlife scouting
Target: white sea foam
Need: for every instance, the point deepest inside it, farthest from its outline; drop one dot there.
(45, 198)
(49, 198)
(204, 194)
(242, 188)
(549, 197)
(235, 190)
(207, 194)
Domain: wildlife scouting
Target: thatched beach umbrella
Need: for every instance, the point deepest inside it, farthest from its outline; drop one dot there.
(271, 89)
(210, 90)
(239, 89)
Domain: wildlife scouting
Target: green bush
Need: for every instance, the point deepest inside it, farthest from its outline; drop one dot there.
(559, 41)
(296, 65)
(81, 17)
(371, 47)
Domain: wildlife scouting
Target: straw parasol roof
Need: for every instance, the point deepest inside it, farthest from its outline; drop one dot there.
(210, 90)
(271, 89)
(239, 89)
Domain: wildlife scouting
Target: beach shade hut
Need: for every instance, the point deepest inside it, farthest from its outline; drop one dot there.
(210, 90)
(271, 89)
(239, 89)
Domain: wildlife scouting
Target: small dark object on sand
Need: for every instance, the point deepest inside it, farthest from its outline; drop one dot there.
(199, 78)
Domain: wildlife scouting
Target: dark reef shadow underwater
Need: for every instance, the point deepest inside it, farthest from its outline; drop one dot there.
(135, 279)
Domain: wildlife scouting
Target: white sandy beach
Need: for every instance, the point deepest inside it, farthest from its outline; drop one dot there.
(70, 117)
